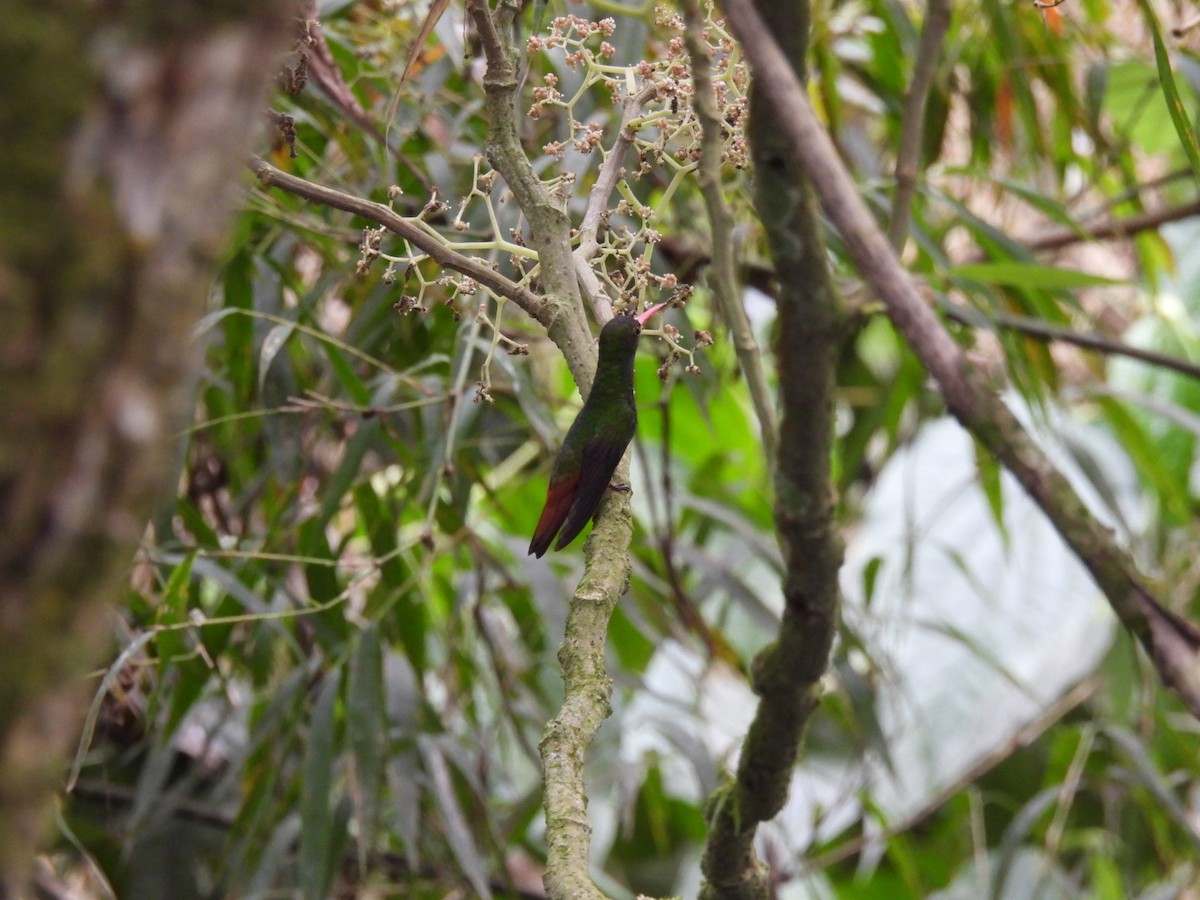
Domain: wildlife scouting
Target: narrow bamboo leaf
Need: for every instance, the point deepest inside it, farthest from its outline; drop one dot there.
(238, 292)
(1146, 458)
(323, 585)
(989, 482)
(364, 439)
(1051, 208)
(1166, 79)
(89, 724)
(172, 611)
(354, 386)
(213, 318)
(365, 735)
(316, 810)
(462, 842)
(1029, 275)
(176, 649)
(273, 857)
(1147, 773)
(380, 520)
(1018, 832)
(271, 346)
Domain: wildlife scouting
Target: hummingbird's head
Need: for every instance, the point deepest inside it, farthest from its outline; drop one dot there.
(620, 329)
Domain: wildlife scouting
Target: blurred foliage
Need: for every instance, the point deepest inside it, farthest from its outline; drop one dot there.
(336, 658)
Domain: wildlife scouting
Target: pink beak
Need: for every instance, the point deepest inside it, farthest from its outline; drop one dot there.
(645, 316)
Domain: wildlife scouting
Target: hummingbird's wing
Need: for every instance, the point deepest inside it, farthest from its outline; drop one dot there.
(600, 459)
(559, 497)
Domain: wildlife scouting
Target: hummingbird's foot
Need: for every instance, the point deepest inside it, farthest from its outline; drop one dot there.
(619, 486)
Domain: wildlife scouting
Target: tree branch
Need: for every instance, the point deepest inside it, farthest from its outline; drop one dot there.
(812, 320)
(724, 280)
(437, 249)
(1171, 642)
(912, 118)
(588, 689)
(1046, 331)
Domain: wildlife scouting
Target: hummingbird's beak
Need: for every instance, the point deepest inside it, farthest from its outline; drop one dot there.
(645, 316)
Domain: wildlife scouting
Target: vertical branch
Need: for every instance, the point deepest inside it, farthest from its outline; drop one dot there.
(912, 119)
(587, 687)
(812, 318)
(587, 700)
(724, 281)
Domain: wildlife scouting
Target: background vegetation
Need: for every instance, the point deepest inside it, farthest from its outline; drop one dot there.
(335, 661)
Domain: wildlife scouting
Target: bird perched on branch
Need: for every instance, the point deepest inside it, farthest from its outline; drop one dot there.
(597, 438)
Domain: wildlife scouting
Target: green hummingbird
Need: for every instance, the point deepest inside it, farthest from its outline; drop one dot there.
(597, 438)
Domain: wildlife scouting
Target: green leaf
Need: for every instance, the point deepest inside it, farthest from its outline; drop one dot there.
(365, 735)
(271, 345)
(462, 841)
(89, 724)
(1029, 275)
(1166, 79)
(1146, 458)
(316, 809)
(990, 483)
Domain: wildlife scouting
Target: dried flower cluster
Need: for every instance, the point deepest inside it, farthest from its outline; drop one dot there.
(665, 136)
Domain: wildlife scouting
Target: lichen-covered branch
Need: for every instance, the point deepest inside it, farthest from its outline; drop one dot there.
(1171, 642)
(586, 703)
(119, 186)
(587, 700)
(812, 320)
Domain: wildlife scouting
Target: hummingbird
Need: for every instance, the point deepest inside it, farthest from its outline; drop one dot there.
(597, 438)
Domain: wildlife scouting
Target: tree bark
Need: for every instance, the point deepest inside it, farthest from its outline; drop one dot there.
(813, 321)
(124, 126)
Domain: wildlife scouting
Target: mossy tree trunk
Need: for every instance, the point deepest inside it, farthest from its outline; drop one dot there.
(124, 131)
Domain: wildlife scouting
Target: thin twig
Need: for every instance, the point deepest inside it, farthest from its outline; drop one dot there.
(430, 244)
(1045, 331)
(912, 118)
(606, 181)
(1172, 643)
(1118, 228)
(724, 280)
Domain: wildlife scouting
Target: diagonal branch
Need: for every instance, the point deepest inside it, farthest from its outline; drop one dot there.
(1171, 642)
